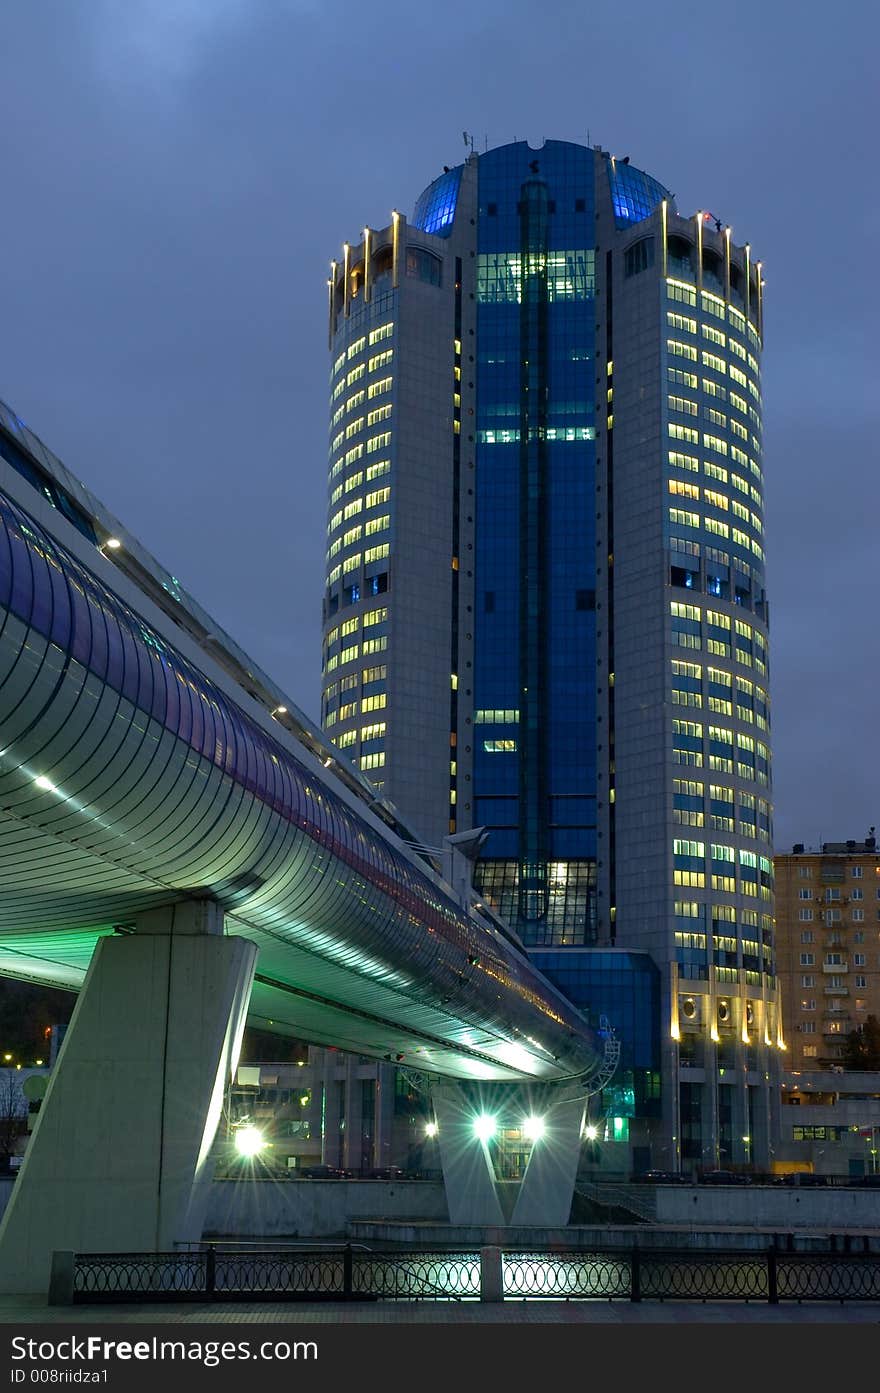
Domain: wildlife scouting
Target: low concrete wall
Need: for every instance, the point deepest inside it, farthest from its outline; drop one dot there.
(587, 1238)
(769, 1206)
(317, 1208)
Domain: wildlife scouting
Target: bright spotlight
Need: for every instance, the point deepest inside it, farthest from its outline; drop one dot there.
(430, 1129)
(484, 1127)
(249, 1141)
(591, 1132)
(533, 1128)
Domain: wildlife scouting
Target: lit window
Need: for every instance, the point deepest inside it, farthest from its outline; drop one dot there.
(678, 486)
(680, 461)
(383, 332)
(681, 350)
(381, 442)
(378, 496)
(677, 432)
(383, 385)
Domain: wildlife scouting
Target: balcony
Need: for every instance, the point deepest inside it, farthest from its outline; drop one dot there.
(836, 991)
(834, 875)
(835, 967)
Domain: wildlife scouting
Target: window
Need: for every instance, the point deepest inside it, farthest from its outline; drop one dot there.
(856, 872)
(805, 894)
(684, 379)
(807, 959)
(687, 433)
(860, 980)
(859, 960)
(423, 265)
(681, 350)
(808, 936)
(381, 360)
(383, 332)
(808, 980)
(805, 916)
(638, 257)
(374, 761)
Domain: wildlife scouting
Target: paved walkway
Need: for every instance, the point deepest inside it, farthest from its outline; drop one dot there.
(24, 1310)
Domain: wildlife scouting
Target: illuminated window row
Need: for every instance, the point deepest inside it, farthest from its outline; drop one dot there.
(551, 433)
(495, 716)
(380, 360)
(383, 332)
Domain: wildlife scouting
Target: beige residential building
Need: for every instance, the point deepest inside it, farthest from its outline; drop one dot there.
(828, 947)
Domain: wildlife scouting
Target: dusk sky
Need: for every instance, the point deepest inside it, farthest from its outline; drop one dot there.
(178, 174)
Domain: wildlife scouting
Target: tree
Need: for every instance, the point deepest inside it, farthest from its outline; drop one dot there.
(862, 1048)
(13, 1116)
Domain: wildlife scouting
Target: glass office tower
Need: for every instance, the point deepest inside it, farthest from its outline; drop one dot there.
(545, 611)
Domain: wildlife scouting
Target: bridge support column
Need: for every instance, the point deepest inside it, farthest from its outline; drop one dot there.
(471, 1193)
(548, 1185)
(475, 1194)
(120, 1158)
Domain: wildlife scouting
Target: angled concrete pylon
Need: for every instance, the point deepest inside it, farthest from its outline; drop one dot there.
(547, 1188)
(475, 1196)
(468, 1177)
(119, 1160)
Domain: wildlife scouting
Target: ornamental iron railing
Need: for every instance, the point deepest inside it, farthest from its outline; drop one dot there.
(356, 1273)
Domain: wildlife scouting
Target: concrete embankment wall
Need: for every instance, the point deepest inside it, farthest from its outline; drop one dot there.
(317, 1208)
(774, 1206)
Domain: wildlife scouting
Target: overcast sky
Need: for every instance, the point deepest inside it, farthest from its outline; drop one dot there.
(178, 173)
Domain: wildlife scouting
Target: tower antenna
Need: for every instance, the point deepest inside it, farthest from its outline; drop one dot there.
(468, 140)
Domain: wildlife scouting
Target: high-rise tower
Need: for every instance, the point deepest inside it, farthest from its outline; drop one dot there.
(545, 610)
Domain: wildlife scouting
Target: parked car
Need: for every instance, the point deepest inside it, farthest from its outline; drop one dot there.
(805, 1178)
(870, 1180)
(387, 1173)
(321, 1173)
(725, 1178)
(661, 1178)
